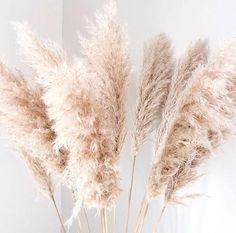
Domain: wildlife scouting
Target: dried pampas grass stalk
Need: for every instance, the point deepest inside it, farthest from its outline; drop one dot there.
(24, 115)
(45, 57)
(80, 140)
(206, 118)
(42, 55)
(154, 86)
(194, 57)
(104, 223)
(38, 171)
(93, 159)
(43, 180)
(58, 214)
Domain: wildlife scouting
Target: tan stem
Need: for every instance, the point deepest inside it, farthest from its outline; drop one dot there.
(114, 219)
(79, 224)
(106, 222)
(58, 213)
(130, 192)
(139, 216)
(142, 215)
(159, 218)
(87, 221)
(103, 215)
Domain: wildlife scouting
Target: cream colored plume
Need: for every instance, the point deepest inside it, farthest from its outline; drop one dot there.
(105, 52)
(82, 128)
(165, 165)
(154, 86)
(24, 115)
(80, 125)
(206, 118)
(39, 173)
(42, 55)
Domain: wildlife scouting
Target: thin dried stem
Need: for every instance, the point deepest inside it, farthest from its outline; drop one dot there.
(86, 219)
(58, 213)
(106, 222)
(114, 219)
(155, 79)
(165, 164)
(155, 228)
(130, 192)
(79, 224)
(142, 215)
(103, 216)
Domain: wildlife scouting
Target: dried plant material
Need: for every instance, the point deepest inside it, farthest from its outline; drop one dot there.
(70, 102)
(75, 124)
(41, 55)
(43, 180)
(93, 159)
(165, 164)
(105, 52)
(154, 86)
(39, 173)
(24, 115)
(206, 118)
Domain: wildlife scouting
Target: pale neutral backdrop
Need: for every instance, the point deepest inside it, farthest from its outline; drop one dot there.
(184, 21)
(22, 207)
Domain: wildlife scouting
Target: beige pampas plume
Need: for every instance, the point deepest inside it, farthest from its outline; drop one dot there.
(154, 86)
(206, 118)
(24, 115)
(106, 54)
(164, 165)
(39, 173)
(42, 55)
(88, 138)
(71, 102)
(194, 57)
(43, 179)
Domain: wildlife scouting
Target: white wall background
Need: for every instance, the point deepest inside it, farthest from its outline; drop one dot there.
(22, 208)
(23, 211)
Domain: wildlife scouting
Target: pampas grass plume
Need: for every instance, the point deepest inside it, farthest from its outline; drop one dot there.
(206, 118)
(165, 164)
(154, 86)
(24, 115)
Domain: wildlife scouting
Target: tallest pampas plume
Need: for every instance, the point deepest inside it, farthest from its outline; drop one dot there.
(96, 117)
(105, 54)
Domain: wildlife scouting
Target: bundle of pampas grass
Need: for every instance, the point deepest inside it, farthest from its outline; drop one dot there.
(69, 122)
